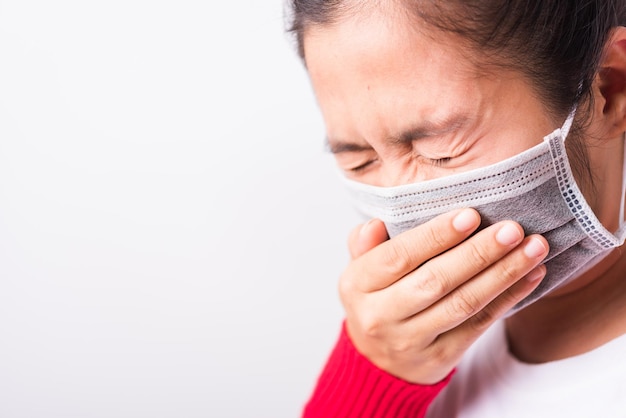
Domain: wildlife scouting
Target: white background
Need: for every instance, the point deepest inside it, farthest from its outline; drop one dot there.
(171, 228)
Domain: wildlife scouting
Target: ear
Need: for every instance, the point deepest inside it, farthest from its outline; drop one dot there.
(610, 91)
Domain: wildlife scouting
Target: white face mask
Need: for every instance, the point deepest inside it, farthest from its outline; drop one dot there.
(535, 188)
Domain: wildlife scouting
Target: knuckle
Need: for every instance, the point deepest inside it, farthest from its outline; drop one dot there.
(506, 301)
(482, 320)
(463, 305)
(355, 279)
(431, 283)
(352, 286)
(439, 354)
(507, 273)
(402, 346)
(396, 258)
(435, 239)
(345, 287)
(477, 255)
(371, 326)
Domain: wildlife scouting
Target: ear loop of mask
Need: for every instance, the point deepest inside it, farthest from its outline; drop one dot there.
(622, 222)
(567, 125)
(621, 231)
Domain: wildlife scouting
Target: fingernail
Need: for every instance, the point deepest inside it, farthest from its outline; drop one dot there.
(536, 274)
(466, 220)
(535, 248)
(365, 228)
(509, 235)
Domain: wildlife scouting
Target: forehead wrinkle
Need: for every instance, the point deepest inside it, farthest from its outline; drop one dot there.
(428, 129)
(420, 130)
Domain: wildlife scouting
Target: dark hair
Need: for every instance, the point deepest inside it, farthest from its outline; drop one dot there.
(556, 43)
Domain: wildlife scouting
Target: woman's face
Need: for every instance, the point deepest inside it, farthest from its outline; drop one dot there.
(400, 107)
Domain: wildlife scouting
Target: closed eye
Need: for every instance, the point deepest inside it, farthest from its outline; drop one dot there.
(361, 167)
(439, 161)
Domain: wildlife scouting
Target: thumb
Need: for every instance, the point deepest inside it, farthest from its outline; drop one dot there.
(367, 236)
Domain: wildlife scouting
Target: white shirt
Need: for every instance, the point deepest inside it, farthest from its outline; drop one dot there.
(491, 383)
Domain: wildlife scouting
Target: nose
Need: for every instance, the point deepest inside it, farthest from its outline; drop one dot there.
(398, 173)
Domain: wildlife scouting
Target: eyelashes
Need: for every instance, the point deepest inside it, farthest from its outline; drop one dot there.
(362, 167)
(437, 162)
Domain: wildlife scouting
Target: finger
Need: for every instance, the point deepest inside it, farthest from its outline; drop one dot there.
(441, 275)
(458, 339)
(352, 240)
(448, 348)
(367, 236)
(473, 296)
(393, 259)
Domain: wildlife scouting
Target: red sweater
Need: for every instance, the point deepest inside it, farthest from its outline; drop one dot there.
(350, 386)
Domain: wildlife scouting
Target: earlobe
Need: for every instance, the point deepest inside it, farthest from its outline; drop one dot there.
(611, 83)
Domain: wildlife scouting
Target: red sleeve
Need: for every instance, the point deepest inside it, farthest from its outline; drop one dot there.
(350, 386)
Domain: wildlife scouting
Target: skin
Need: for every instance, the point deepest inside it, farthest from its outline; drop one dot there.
(403, 105)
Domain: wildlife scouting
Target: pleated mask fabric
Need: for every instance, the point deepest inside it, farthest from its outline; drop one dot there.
(535, 188)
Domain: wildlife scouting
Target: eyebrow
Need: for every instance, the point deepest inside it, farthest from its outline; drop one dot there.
(424, 129)
(339, 146)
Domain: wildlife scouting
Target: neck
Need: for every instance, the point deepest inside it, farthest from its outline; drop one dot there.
(570, 323)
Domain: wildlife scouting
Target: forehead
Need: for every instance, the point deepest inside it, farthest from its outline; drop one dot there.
(385, 60)
(376, 41)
